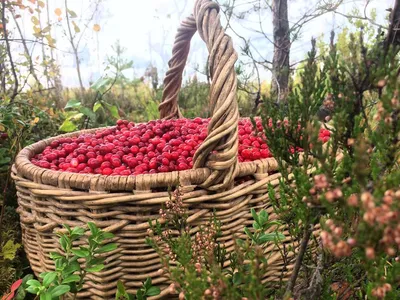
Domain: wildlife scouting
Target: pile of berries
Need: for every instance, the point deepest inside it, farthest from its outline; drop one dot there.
(153, 147)
(324, 135)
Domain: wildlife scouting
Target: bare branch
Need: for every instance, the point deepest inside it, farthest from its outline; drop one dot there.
(28, 55)
(74, 47)
(302, 250)
(361, 18)
(4, 21)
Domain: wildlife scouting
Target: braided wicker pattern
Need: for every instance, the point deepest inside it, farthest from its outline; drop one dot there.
(219, 150)
(124, 204)
(173, 79)
(44, 207)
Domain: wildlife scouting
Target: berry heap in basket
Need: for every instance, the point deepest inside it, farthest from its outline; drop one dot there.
(153, 147)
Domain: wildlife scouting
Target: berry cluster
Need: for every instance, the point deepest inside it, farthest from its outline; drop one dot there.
(324, 135)
(153, 147)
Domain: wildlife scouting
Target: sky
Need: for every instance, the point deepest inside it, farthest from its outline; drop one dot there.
(147, 29)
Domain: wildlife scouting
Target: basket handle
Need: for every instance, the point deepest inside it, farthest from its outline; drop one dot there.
(219, 150)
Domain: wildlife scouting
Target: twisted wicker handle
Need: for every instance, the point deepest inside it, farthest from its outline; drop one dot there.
(219, 150)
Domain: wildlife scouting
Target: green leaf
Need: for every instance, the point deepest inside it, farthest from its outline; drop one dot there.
(130, 296)
(67, 126)
(46, 29)
(139, 295)
(107, 248)
(255, 216)
(280, 236)
(96, 268)
(147, 283)
(60, 290)
(106, 235)
(45, 296)
(95, 261)
(153, 291)
(72, 267)
(33, 282)
(26, 279)
(249, 234)
(269, 237)
(73, 103)
(237, 278)
(114, 111)
(35, 20)
(71, 278)
(78, 230)
(120, 288)
(100, 84)
(72, 14)
(66, 226)
(55, 255)
(9, 250)
(32, 289)
(49, 278)
(263, 217)
(272, 223)
(50, 40)
(75, 237)
(81, 252)
(96, 106)
(76, 27)
(60, 263)
(87, 112)
(77, 116)
(64, 242)
(93, 228)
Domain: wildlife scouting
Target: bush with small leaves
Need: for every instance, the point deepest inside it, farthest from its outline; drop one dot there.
(69, 274)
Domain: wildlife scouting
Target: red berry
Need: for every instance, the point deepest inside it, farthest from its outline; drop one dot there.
(107, 171)
(93, 163)
(246, 153)
(135, 149)
(116, 162)
(182, 166)
(90, 154)
(74, 162)
(165, 161)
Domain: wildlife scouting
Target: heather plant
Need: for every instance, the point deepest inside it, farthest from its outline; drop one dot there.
(195, 265)
(354, 192)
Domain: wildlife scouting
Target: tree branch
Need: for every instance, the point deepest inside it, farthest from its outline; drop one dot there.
(4, 21)
(74, 47)
(28, 55)
(303, 247)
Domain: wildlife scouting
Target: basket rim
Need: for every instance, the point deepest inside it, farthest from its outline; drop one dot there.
(113, 183)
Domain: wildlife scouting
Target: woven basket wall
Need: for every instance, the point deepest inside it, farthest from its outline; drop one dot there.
(124, 204)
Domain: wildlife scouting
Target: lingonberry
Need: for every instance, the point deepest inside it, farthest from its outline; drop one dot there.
(157, 146)
(93, 163)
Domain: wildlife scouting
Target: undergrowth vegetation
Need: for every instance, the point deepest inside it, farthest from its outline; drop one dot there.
(345, 216)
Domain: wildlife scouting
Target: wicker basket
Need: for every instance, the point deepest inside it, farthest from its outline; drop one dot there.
(124, 204)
